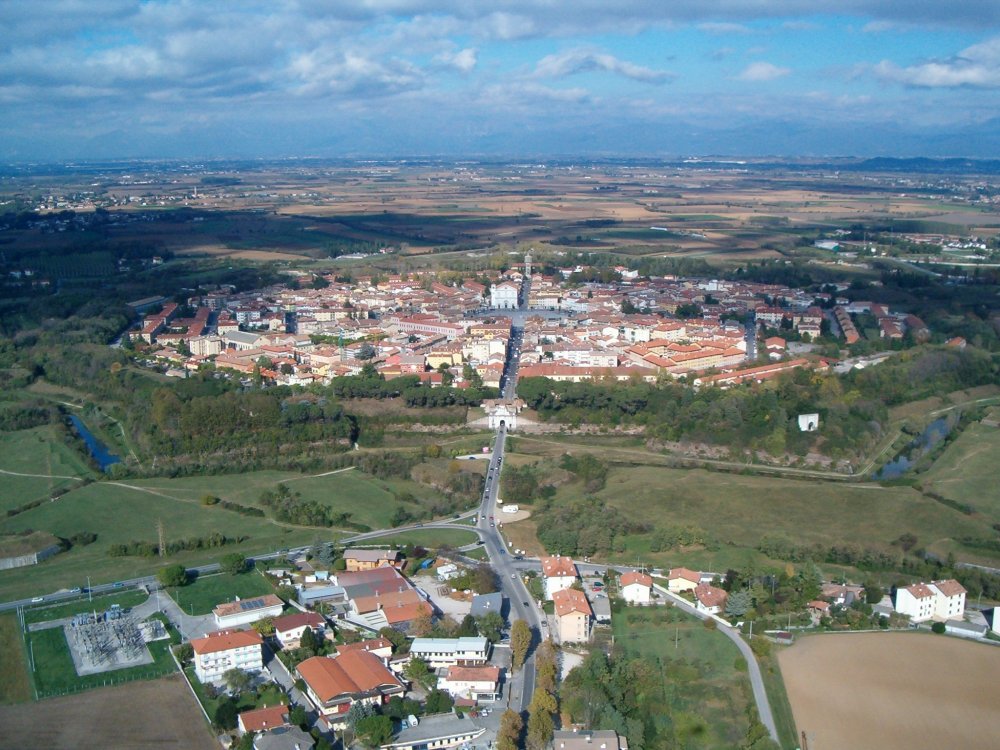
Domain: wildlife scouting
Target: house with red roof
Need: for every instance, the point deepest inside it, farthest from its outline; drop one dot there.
(709, 599)
(334, 684)
(682, 579)
(289, 629)
(636, 588)
(263, 719)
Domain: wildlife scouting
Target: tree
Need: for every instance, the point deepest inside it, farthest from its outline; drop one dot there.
(540, 725)
(873, 592)
(397, 639)
(509, 734)
(491, 626)
(416, 670)
(234, 563)
(484, 579)
(938, 627)
(226, 714)
(298, 716)
(184, 652)
(467, 628)
(308, 640)
(366, 352)
(173, 575)
(286, 593)
(520, 642)
(374, 731)
(357, 713)
(237, 680)
(265, 627)
(738, 603)
(545, 668)
(438, 702)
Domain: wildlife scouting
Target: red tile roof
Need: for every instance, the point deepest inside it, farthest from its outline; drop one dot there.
(262, 719)
(224, 640)
(298, 620)
(558, 566)
(569, 601)
(710, 596)
(351, 673)
(635, 577)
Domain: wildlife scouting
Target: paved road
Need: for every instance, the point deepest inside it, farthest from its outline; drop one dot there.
(522, 683)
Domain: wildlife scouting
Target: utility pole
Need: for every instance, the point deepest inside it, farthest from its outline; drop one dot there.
(159, 531)
(90, 591)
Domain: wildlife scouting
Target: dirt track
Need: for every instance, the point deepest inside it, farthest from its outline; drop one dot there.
(160, 713)
(893, 690)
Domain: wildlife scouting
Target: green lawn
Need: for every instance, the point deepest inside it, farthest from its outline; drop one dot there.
(36, 451)
(967, 471)
(55, 674)
(430, 538)
(705, 688)
(737, 510)
(15, 683)
(369, 501)
(120, 514)
(201, 596)
(777, 696)
(130, 510)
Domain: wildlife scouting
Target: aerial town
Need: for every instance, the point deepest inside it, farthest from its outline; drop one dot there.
(499, 376)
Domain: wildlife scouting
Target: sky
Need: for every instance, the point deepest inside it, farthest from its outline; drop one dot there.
(118, 79)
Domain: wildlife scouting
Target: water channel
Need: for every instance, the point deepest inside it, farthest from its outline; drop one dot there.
(98, 451)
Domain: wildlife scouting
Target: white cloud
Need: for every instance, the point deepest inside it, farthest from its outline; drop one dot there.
(581, 60)
(717, 27)
(762, 71)
(336, 72)
(463, 61)
(977, 66)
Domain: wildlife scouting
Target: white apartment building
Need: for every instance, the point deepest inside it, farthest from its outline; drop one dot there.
(938, 600)
(451, 652)
(218, 652)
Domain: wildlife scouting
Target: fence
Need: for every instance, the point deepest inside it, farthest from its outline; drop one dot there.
(93, 685)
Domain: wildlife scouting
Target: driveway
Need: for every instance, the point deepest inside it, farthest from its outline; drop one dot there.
(190, 626)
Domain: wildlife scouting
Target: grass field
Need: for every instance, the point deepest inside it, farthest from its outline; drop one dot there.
(205, 592)
(735, 510)
(15, 682)
(120, 512)
(430, 538)
(967, 471)
(893, 690)
(131, 717)
(777, 697)
(705, 684)
(37, 451)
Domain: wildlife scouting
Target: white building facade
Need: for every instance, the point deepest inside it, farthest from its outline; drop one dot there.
(217, 653)
(451, 652)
